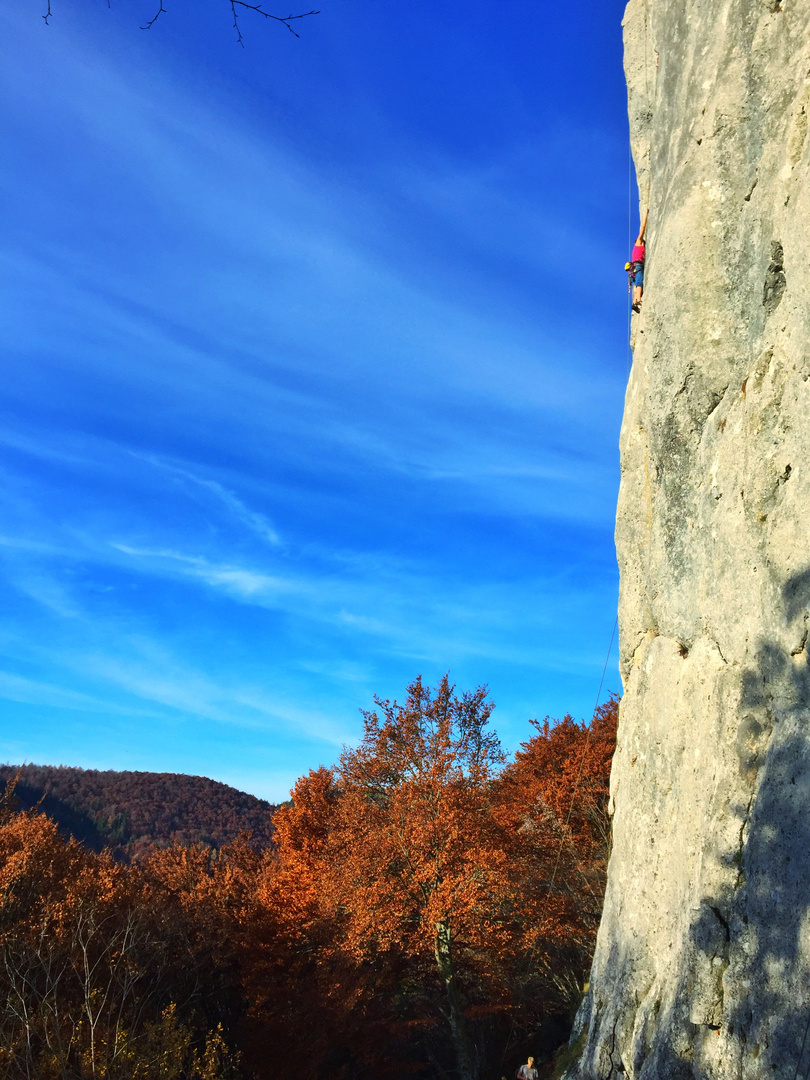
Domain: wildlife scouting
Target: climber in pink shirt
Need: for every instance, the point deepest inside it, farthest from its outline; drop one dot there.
(635, 268)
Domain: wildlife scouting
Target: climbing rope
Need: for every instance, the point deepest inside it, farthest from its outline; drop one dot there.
(582, 756)
(646, 57)
(629, 244)
(581, 762)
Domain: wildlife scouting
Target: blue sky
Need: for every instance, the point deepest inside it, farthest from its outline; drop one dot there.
(314, 361)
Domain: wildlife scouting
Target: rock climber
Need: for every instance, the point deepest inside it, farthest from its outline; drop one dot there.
(635, 268)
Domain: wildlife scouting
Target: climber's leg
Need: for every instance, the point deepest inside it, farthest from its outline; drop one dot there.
(638, 287)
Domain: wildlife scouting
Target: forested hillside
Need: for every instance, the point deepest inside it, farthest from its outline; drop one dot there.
(428, 908)
(133, 812)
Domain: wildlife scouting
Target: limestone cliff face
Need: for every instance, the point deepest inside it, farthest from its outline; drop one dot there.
(702, 967)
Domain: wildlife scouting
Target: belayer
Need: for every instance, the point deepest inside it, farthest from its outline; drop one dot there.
(635, 268)
(527, 1071)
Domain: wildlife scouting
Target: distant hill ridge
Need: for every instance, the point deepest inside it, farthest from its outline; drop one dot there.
(133, 812)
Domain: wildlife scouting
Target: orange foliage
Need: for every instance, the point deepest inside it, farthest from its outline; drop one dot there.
(93, 957)
(468, 891)
(425, 905)
(554, 800)
(131, 813)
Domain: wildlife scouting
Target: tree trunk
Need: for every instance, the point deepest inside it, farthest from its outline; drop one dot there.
(466, 1056)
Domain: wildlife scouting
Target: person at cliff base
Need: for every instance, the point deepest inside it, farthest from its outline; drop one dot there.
(527, 1071)
(635, 268)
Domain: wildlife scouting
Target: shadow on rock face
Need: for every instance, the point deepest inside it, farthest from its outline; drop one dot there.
(746, 975)
(743, 986)
(796, 593)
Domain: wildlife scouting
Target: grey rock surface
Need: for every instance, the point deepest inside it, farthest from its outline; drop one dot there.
(702, 965)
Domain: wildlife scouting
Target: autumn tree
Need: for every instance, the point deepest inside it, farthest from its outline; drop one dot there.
(427, 908)
(306, 994)
(96, 975)
(421, 866)
(553, 800)
(402, 855)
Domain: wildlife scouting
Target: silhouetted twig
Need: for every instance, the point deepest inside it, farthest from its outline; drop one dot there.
(155, 17)
(286, 19)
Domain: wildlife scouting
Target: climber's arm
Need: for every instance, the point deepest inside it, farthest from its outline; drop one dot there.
(643, 228)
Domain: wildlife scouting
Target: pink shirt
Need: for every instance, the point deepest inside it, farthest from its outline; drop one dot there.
(638, 253)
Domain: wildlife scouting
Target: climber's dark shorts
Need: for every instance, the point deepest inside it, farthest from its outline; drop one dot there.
(638, 275)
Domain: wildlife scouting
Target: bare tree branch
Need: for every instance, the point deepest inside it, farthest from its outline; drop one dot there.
(154, 18)
(285, 20)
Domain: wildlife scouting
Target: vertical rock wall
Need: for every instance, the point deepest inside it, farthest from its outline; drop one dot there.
(702, 966)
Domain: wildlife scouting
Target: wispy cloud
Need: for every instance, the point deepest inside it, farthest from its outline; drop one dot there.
(289, 426)
(155, 676)
(244, 583)
(32, 692)
(240, 512)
